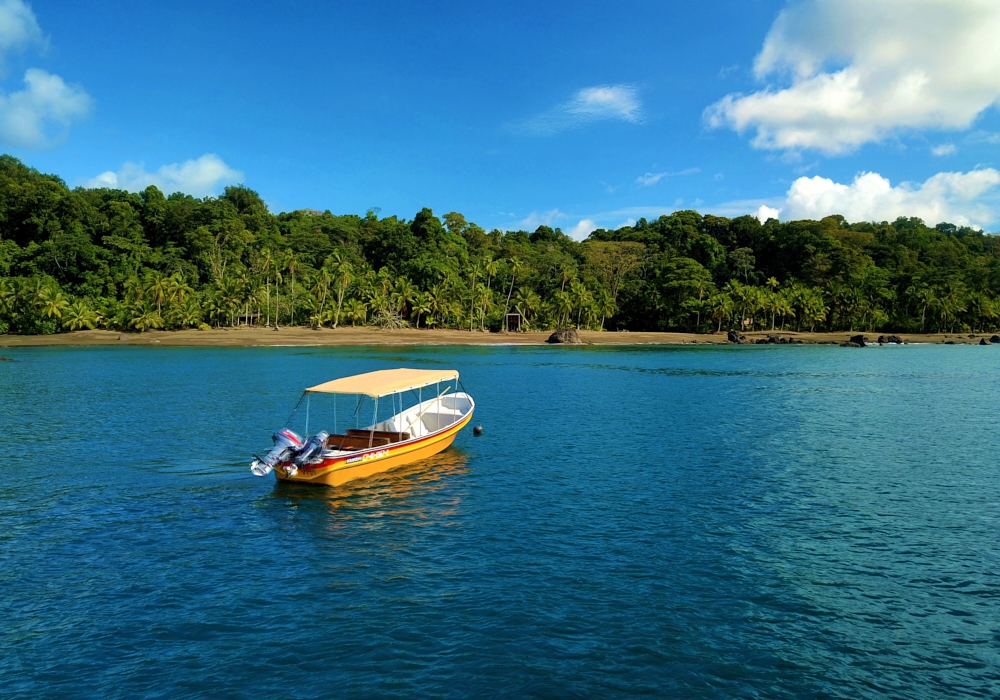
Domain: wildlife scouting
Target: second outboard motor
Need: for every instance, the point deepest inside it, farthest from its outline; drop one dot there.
(286, 445)
(312, 449)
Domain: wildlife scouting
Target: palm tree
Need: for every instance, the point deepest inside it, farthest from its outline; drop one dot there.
(783, 306)
(265, 260)
(343, 275)
(156, 287)
(229, 297)
(321, 288)
(925, 299)
(421, 306)
(814, 309)
(527, 302)
(581, 298)
(177, 288)
(52, 302)
(403, 295)
(145, 317)
(564, 306)
(79, 315)
(8, 296)
(950, 306)
(744, 300)
(187, 314)
(515, 267)
(721, 307)
(491, 267)
(355, 310)
(606, 306)
(291, 262)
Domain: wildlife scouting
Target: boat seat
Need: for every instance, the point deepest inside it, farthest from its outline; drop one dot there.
(393, 436)
(355, 442)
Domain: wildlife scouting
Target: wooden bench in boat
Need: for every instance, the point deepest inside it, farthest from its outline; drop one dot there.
(355, 442)
(393, 436)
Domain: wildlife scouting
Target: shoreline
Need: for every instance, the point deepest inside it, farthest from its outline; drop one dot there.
(304, 336)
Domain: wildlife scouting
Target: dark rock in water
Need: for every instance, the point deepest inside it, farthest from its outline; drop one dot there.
(949, 342)
(995, 339)
(983, 341)
(798, 342)
(881, 340)
(762, 341)
(894, 339)
(734, 337)
(6, 359)
(852, 344)
(567, 336)
(858, 340)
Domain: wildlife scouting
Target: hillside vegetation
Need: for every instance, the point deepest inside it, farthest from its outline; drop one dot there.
(86, 258)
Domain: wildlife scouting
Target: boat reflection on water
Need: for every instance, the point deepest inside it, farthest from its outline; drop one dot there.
(404, 492)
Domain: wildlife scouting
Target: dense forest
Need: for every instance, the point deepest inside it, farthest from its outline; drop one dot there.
(103, 258)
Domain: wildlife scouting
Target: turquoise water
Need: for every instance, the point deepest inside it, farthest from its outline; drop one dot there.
(674, 522)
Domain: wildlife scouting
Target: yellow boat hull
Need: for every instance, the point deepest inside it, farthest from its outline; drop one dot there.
(365, 463)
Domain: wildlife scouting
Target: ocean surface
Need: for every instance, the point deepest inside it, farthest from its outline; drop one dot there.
(698, 522)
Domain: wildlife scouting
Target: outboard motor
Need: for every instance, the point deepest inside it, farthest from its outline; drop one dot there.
(286, 445)
(312, 450)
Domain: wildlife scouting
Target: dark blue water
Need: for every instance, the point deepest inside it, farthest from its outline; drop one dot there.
(778, 522)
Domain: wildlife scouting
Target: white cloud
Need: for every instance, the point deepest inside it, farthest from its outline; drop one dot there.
(858, 71)
(201, 177)
(649, 179)
(652, 178)
(991, 137)
(582, 230)
(18, 28)
(765, 212)
(945, 149)
(592, 104)
(39, 115)
(545, 218)
(959, 198)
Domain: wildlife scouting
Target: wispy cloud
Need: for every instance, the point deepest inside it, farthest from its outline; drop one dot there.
(945, 149)
(990, 137)
(544, 218)
(200, 177)
(19, 28)
(652, 178)
(591, 104)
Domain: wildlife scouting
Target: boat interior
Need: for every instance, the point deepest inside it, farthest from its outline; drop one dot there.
(418, 421)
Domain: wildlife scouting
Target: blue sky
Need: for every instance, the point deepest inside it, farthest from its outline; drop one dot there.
(571, 114)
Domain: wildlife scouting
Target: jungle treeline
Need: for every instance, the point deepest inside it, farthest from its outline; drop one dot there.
(103, 258)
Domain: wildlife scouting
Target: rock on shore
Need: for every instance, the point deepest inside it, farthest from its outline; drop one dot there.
(567, 336)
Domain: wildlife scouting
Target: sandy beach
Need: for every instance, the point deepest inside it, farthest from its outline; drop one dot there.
(259, 336)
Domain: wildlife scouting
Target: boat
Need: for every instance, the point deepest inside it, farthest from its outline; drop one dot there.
(424, 428)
